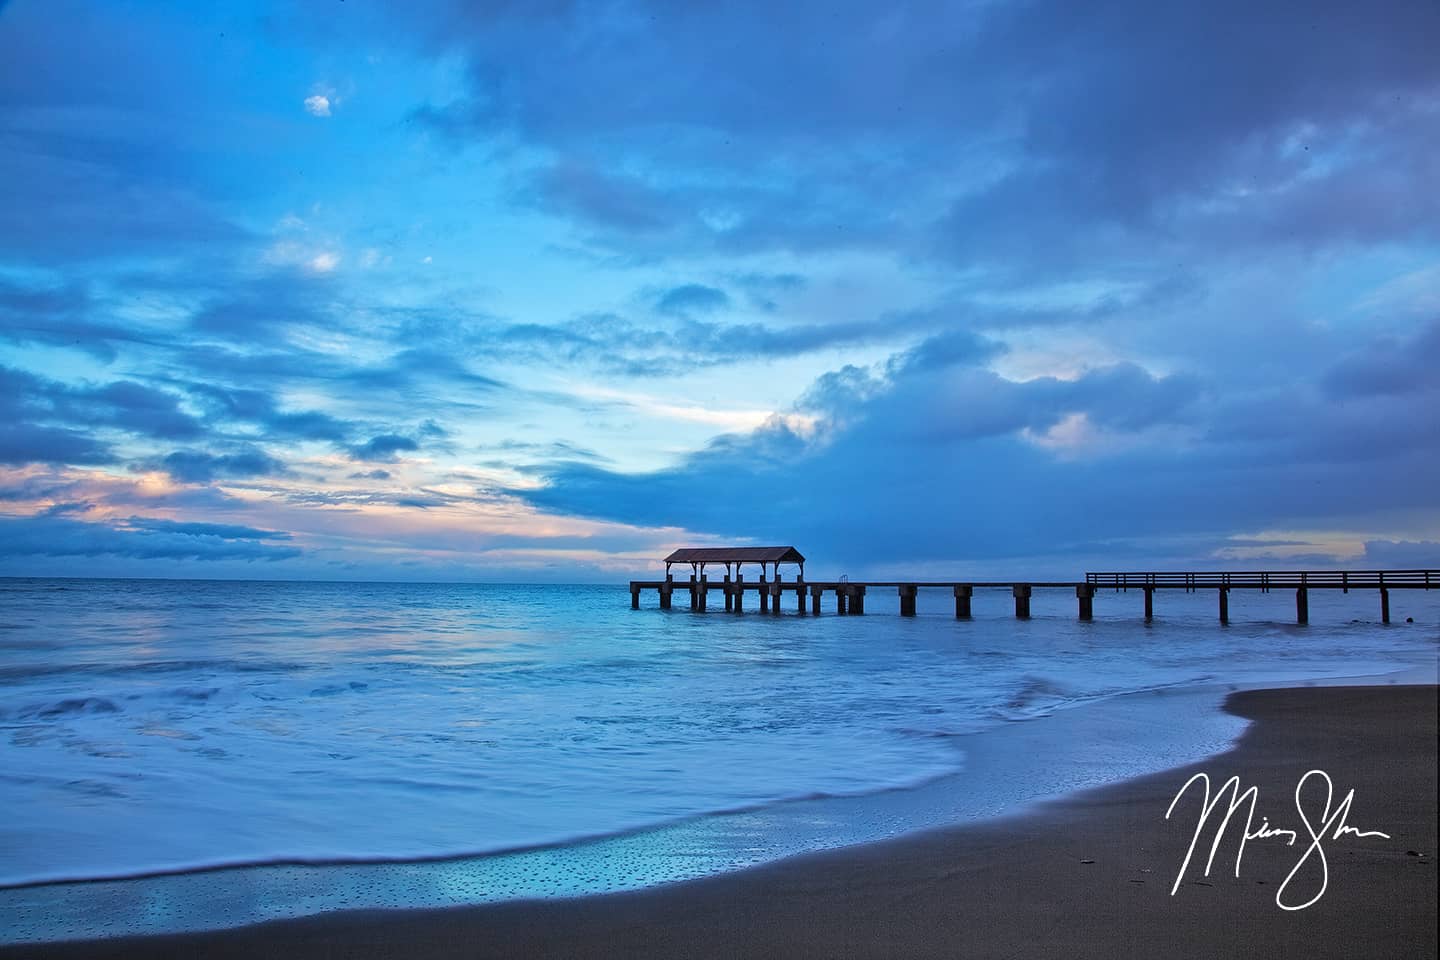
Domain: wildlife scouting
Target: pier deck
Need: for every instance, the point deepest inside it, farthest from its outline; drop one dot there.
(849, 596)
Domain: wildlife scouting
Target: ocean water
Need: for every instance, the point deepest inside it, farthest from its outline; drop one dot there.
(154, 726)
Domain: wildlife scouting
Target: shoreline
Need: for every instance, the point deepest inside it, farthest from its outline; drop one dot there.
(1004, 770)
(1097, 714)
(916, 894)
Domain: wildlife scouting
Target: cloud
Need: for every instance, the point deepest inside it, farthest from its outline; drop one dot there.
(385, 447)
(1057, 155)
(1403, 554)
(324, 262)
(22, 443)
(200, 466)
(121, 404)
(101, 162)
(260, 409)
(1390, 367)
(692, 298)
(265, 307)
(225, 531)
(933, 457)
(138, 539)
(62, 316)
(993, 278)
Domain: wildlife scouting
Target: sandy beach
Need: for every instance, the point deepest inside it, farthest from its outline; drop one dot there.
(1087, 876)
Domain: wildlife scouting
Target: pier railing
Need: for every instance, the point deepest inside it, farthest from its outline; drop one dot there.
(1270, 579)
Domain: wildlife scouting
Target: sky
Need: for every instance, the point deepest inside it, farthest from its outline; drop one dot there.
(539, 291)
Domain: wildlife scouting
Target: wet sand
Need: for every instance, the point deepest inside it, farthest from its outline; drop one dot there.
(1023, 886)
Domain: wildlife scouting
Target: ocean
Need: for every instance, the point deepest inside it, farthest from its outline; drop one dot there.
(385, 744)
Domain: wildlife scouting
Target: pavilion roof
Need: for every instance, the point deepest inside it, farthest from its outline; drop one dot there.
(736, 555)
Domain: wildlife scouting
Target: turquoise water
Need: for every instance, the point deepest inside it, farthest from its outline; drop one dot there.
(153, 726)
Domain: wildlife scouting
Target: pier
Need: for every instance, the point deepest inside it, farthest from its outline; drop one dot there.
(771, 593)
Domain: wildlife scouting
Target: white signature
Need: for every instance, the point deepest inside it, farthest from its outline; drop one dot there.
(1330, 825)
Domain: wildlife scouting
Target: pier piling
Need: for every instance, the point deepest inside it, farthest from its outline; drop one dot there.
(1085, 596)
(1022, 600)
(729, 595)
(764, 595)
(1149, 604)
(840, 599)
(1384, 605)
(857, 598)
(963, 592)
(907, 599)
(1224, 604)
(815, 600)
(1302, 606)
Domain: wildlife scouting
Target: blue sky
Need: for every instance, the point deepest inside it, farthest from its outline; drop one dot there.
(539, 291)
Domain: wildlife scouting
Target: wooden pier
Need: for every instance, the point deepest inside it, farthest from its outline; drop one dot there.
(847, 597)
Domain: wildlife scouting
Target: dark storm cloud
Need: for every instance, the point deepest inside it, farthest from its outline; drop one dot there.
(1070, 133)
(1423, 554)
(1390, 366)
(926, 461)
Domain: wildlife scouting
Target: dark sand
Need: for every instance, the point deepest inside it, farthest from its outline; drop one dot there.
(1013, 888)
